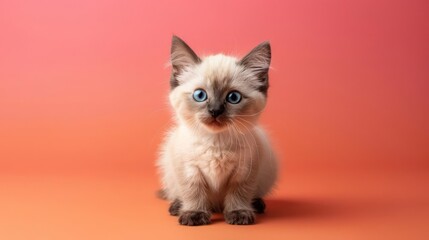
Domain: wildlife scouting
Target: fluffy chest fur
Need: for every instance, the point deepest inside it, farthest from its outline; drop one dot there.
(216, 164)
(218, 158)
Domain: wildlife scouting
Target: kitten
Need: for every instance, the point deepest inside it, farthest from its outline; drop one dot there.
(217, 158)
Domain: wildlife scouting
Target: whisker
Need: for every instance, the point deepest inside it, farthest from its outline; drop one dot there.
(253, 137)
(238, 146)
(250, 149)
(249, 115)
(242, 139)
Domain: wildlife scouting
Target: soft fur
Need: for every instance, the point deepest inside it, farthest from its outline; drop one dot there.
(223, 163)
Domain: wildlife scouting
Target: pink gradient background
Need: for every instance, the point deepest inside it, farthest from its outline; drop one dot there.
(83, 87)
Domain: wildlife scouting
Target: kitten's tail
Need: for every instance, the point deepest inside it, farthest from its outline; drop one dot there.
(161, 194)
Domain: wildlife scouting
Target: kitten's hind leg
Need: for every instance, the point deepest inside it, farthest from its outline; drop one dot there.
(258, 205)
(175, 207)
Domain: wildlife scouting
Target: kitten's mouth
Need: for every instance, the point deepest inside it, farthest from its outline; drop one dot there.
(214, 123)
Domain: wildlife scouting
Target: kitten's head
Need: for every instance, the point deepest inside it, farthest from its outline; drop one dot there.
(218, 92)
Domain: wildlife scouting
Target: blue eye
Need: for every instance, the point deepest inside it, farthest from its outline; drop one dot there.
(233, 97)
(200, 95)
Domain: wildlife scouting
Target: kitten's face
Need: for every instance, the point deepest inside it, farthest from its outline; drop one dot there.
(219, 93)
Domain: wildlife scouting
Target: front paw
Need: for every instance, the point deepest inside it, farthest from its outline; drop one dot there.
(194, 218)
(240, 217)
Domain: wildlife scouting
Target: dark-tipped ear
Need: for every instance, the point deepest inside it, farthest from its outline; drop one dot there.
(182, 55)
(258, 61)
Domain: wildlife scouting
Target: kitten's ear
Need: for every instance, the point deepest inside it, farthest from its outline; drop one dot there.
(258, 61)
(182, 56)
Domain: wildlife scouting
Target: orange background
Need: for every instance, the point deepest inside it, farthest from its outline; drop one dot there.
(83, 88)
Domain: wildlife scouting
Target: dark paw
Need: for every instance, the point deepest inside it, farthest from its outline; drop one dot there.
(175, 208)
(194, 218)
(258, 205)
(240, 217)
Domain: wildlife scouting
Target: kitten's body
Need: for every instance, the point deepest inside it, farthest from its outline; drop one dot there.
(219, 162)
(218, 159)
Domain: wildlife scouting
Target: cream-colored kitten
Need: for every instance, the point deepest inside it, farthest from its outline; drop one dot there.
(217, 158)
